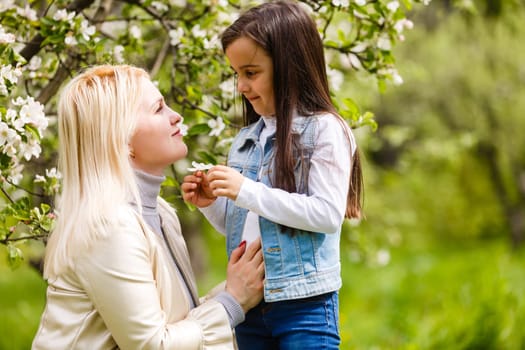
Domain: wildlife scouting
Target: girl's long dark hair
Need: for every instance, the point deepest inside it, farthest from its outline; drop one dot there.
(290, 37)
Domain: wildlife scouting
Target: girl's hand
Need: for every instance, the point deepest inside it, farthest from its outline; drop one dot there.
(245, 274)
(225, 181)
(196, 190)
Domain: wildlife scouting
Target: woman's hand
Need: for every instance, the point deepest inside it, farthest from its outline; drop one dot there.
(196, 190)
(245, 274)
(225, 181)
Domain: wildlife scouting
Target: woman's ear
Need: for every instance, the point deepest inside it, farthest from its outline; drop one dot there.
(131, 152)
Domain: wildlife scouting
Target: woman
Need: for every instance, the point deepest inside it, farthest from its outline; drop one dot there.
(117, 266)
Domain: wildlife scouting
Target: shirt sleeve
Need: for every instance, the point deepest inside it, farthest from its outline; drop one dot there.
(118, 278)
(216, 214)
(323, 209)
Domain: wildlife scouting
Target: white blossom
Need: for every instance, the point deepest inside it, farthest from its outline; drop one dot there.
(35, 63)
(197, 32)
(360, 2)
(30, 149)
(117, 53)
(39, 178)
(63, 15)
(70, 40)
(384, 43)
(400, 25)
(228, 88)
(200, 166)
(27, 12)
(53, 173)
(383, 257)
(6, 134)
(178, 3)
(342, 3)
(175, 36)
(135, 32)
(336, 78)
(217, 126)
(159, 6)
(355, 61)
(182, 127)
(86, 29)
(393, 5)
(6, 38)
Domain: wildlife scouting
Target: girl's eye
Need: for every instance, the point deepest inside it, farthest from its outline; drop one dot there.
(159, 108)
(250, 74)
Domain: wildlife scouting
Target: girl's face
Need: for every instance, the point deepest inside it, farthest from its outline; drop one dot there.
(254, 69)
(157, 141)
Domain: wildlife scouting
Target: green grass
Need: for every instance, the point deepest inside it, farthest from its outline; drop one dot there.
(459, 296)
(466, 296)
(22, 297)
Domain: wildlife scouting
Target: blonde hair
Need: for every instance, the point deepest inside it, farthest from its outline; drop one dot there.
(97, 115)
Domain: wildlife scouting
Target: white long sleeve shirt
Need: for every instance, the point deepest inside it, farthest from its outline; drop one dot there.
(322, 210)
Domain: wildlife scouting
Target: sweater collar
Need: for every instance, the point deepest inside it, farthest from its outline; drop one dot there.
(149, 188)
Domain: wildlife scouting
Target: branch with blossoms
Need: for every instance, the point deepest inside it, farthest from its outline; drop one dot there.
(43, 44)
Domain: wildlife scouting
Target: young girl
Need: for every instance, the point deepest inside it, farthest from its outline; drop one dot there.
(293, 175)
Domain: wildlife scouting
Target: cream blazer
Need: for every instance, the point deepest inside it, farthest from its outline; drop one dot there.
(125, 293)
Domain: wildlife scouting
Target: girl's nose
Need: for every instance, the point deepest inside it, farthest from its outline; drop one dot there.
(242, 87)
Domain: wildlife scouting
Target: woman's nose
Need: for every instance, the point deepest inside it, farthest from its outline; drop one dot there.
(174, 117)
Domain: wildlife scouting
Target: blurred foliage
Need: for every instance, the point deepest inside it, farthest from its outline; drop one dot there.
(448, 159)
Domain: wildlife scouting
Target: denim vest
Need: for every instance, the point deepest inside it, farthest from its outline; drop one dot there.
(297, 266)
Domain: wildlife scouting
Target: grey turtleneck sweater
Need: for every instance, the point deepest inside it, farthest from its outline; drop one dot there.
(149, 189)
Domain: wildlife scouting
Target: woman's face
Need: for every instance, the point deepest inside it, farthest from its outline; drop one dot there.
(254, 68)
(157, 141)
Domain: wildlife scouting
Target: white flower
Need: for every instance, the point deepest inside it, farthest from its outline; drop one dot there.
(70, 40)
(355, 61)
(35, 63)
(39, 178)
(15, 174)
(200, 166)
(342, 3)
(383, 257)
(30, 149)
(117, 53)
(396, 78)
(228, 88)
(225, 142)
(87, 30)
(175, 36)
(197, 32)
(360, 2)
(6, 133)
(63, 15)
(393, 6)
(402, 24)
(178, 3)
(10, 73)
(217, 126)
(159, 6)
(135, 32)
(182, 127)
(336, 78)
(27, 12)
(32, 112)
(212, 43)
(384, 43)
(53, 173)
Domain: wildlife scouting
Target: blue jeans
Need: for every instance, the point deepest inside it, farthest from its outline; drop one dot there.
(304, 324)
